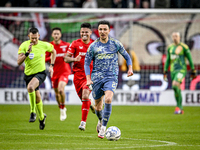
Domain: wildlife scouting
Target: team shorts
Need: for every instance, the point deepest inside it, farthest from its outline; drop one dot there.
(178, 76)
(80, 83)
(56, 80)
(41, 76)
(106, 84)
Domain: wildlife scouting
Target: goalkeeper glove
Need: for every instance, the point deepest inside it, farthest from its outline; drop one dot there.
(165, 76)
(193, 74)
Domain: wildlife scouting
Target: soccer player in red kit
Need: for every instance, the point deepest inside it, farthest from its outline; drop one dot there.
(78, 49)
(61, 70)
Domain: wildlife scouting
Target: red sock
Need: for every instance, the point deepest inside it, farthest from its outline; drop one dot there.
(85, 109)
(62, 105)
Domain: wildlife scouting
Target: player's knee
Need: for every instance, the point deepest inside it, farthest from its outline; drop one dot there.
(30, 88)
(108, 100)
(61, 91)
(85, 96)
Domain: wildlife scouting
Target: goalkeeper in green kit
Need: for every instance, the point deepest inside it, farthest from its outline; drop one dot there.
(176, 54)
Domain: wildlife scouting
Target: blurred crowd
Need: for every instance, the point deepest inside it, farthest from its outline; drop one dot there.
(102, 3)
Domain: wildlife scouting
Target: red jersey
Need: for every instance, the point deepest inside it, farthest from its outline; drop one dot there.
(76, 48)
(60, 66)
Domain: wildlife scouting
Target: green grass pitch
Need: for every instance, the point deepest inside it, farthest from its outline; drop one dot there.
(142, 128)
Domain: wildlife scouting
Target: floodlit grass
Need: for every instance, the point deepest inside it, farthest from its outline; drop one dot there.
(142, 127)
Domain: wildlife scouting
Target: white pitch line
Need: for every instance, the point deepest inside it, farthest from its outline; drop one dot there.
(187, 145)
(137, 145)
(117, 146)
(165, 143)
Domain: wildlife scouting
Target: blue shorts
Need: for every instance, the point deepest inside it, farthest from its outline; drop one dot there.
(106, 84)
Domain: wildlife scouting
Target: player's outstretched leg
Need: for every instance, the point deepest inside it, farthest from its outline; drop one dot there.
(42, 122)
(178, 97)
(85, 109)
(106, 116)
(32, 99)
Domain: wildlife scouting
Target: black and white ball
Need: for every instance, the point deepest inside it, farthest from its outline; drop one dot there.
(113, 133)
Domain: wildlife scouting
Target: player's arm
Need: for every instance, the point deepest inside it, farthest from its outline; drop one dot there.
(166, 66)
(53, 58)
(68, 58)
(126, 56)
(21, 57)
(71, 50)
(88, 59)
(189, 57)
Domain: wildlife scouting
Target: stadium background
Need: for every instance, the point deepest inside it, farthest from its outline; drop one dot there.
(146, 32)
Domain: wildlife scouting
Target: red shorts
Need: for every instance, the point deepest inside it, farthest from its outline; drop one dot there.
(80, 83)
(56, 80)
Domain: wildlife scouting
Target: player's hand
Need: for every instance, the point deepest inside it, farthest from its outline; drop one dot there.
(193, 74)
(165, 76)
(30, 47)
(51, 71)
(78, 58)
(89, 84)
(129, 73)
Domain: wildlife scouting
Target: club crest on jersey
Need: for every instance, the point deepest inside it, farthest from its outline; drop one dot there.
(31, 56)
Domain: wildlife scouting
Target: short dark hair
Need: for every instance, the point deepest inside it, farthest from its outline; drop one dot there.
(86, 25)
(104, 22)
(56, 28)
(33, 30)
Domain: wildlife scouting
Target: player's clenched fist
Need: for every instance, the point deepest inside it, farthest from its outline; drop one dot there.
(78, 58)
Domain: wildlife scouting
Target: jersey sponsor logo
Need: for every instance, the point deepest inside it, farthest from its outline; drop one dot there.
(60, 55)
(173, 57)
(31, 56)
(105, 56)
(82, 53)
(80, 47)
(63, 48)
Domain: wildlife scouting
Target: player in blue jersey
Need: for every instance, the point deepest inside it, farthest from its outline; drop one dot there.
(104, 77)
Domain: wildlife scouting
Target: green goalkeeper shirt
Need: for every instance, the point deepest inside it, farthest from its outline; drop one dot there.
(35, 62)
(176, 61)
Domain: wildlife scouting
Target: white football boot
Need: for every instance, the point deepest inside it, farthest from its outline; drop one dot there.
(82, 126)
(63, 114)
(102, 132)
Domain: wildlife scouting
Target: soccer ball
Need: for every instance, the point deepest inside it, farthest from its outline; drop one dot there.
(113, 133)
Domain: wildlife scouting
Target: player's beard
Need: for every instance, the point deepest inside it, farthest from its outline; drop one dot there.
(104, 37)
